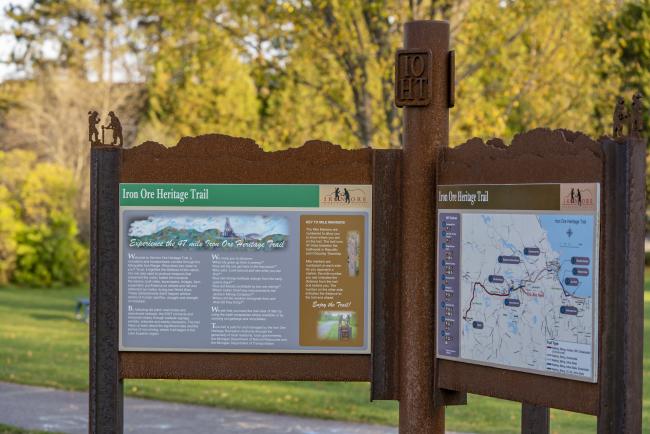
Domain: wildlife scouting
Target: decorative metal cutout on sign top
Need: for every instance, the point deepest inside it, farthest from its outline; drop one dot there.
(113, 124)
(633, 118)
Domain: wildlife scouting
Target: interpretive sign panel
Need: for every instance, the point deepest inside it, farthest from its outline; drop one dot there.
(245, 268)
(517, 277)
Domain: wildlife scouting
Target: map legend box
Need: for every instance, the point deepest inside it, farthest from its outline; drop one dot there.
(449, 252)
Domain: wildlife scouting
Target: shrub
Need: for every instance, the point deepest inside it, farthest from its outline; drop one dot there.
(37, 214)
(49, 254)
(10, 226)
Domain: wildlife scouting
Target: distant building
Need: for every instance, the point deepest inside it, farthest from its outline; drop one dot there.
(228, 230)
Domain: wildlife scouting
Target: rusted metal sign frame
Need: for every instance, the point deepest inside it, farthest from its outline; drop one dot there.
(558, 156)
(315, 162)
(619, 166)
(403, 262)
(621, 357)
(538, 156)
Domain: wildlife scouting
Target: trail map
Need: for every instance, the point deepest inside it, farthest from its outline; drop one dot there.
(517, 288)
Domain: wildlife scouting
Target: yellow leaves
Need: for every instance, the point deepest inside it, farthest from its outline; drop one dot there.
(526, 65)
(47, 189)
(288, 7)
(199, 86)
(37, 228)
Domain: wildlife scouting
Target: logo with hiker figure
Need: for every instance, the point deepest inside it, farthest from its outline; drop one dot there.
(344, 196)
(578, 196)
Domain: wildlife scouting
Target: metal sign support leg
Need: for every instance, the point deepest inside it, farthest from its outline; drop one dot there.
(535, 419)
(621, 374)
(106, 388)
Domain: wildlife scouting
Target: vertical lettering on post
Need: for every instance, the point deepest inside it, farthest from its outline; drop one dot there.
(413, 77)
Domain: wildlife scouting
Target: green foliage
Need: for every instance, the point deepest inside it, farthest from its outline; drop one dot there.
(196, 83)
(526, 64)
(39, 246)
(6, 429)
(10, 227)
(624, 38)
(48, 254)
(287, 71)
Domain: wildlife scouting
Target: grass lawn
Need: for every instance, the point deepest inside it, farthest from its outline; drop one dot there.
(41, 343)
(4, 429)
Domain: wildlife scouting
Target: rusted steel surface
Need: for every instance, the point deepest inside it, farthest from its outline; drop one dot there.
(386, 250)
(621, 367)
(520, 386)
(222, 159)
(106, 389)
(537, 156)
(535, 420)
(452, 78)
(426, 132)
(217, 159)
(230, 366)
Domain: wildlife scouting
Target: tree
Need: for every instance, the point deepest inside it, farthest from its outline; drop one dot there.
(247, 67)
(48, 115)
(525, 64)
(87, 38)
(624, 36)
(196, 83)
(351, 48)
(10, 227)
(521, 64)
(71, 55)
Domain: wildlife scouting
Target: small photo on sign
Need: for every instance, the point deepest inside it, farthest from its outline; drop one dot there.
(210, 232)
(337, 326)
(354, 247)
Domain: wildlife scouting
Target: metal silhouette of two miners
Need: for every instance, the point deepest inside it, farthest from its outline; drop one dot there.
(114, 125)
(633, 118)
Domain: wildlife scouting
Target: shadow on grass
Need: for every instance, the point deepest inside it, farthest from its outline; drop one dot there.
(54, 317)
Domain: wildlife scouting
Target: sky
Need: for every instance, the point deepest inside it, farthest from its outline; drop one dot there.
(7, 42)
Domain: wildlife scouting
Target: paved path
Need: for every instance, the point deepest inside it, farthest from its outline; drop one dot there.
(47, 409)
(55, 410)
(324, 328)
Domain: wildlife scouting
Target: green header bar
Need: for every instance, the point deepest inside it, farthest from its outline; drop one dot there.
(226, 195)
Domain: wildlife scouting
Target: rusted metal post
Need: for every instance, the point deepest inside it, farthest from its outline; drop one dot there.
(621, 374)
(106, 388)
(386, 248)
(422, 87)
(535, 419)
